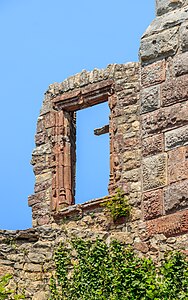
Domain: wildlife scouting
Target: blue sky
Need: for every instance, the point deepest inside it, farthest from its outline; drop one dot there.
(42, 42)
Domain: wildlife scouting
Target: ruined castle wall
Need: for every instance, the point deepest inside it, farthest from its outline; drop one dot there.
(148, 130)
(55, 155)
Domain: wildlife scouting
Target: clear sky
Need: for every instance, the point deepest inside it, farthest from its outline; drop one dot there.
(45, 41)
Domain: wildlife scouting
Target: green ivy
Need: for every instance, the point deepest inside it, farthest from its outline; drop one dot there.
(118, 205)
(5, 292)
(92, 270)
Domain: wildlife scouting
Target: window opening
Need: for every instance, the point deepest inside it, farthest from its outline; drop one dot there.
(92, 151)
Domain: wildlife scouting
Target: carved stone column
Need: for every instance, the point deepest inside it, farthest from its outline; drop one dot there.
(63, 184)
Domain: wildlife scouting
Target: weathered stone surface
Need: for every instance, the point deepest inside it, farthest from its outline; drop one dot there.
(153, 204)
(176, 137)
(153, 74)
(159, 45)
(178, 164)
(164, 119)
(176, 196)
(40, 296)
(184, 36)
(154, 171)
(167, 21)
(164, 6)
(152, 145)
(141, 246)
(170, 225)
(131, 159)
(175, 90)
(181, 64)
(150, 99)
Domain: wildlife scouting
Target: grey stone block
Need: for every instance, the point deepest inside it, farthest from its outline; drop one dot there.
(176, 196)
(159, 45)
(177, 137)
(184, 36)
(164, 6)
(181, 64)
(150, 99)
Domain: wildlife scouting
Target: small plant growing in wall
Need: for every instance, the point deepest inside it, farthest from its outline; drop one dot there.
(118, 205)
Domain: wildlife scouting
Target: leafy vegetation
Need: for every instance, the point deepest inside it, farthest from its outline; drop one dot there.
(5, 292)
(92, 270)
(118, 205)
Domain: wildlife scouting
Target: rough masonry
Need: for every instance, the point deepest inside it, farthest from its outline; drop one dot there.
(148, 129)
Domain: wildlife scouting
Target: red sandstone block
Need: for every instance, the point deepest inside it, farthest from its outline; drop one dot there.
(50, 120)
(153, 73)
(164, 119)
(152, 145)
(177, 164)
(170, 225)
(153, 204)
(175, 90)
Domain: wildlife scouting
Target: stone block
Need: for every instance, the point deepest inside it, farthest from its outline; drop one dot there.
(131, 160)
(178, 164)
(176, 137)
(154, 172)
(164, 6)
(162, 44)
(170, 225)
(153, 204)
(40, 124)
(141, 246)
(37, 198)
(164, 119)
(50, 119)
(40, 138)
(150, 99)
(176, 196)
(153, 73)
(184, 36)
(175, 90)
(42, 186)
(32, 267)
(169, 20)
(152, 145)
(132, 175)
(181, 64)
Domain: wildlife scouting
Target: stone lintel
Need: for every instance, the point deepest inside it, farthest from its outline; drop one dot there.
(84, 97)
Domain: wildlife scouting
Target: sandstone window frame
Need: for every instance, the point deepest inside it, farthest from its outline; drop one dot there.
(64, 146)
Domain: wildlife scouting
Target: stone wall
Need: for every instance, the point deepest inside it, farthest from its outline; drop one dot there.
(164, 119)
(55, 156)
(28, 254)
(148, 130)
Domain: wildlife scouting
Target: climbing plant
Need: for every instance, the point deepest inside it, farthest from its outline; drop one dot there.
(92, 270)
